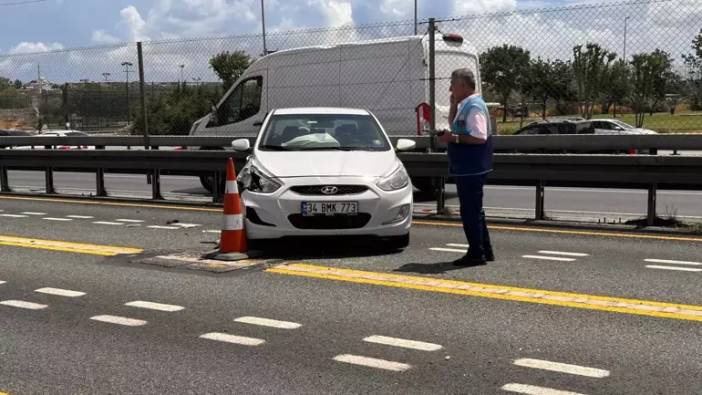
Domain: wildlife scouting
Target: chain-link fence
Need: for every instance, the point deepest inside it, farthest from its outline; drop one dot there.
(639, 62)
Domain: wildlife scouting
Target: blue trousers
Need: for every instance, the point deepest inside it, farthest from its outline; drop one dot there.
(470, 194)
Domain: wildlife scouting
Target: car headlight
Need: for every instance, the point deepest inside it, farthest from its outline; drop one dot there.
(398, 179)
(254, 180)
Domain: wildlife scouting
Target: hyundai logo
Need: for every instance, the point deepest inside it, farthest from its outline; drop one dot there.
(330, 190)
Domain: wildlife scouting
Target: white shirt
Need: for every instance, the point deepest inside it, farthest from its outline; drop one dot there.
(476, 121)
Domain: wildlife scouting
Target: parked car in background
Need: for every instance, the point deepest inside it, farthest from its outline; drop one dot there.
(65, 133)
(325, 172)
(12, 132)
(581, 126)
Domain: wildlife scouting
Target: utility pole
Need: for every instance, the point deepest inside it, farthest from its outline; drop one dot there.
(625, 26)
(107, 76)
(181, 81)
(263, 27)
(415, 17)
(126, 66)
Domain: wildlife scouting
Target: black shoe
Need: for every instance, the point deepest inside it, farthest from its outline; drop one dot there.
(468, 261)
(490, 257)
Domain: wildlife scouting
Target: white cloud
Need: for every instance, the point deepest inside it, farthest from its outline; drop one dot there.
(31, 47)
(337, 13)
(134, 24)
(463, 7)
(102, 37)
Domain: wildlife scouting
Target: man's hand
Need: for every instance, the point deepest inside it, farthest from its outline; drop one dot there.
(447, 137)
(453, 101)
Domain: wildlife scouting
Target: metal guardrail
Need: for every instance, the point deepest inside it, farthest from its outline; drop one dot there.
(606, 171)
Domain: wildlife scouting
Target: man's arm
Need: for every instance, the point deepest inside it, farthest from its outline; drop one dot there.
(476, 122)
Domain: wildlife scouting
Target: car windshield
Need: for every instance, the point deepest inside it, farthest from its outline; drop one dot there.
(622, 124)
(308, 132)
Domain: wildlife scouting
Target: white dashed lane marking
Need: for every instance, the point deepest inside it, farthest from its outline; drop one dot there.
(563, 253)
(548, 258)
(671, 262)
(404, 343)
(186, 226)
(534, 390)
(268, 322)
(113, 319)
(80, 216)
(23, 305)
(57, 219)
(227, 338)
(562, 368)
(13, 216)
(162, 227)
(674, 268)
(457, 245)
(448, 250)
(60, 292)
(132, 221)
(2, 282)
(372, 362)
(32, 213)
(108, 223)
(154, 306)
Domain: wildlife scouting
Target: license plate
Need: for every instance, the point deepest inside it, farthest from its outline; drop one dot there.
(329, 208)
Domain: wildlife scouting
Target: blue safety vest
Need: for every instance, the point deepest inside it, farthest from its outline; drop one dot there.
(470, 159)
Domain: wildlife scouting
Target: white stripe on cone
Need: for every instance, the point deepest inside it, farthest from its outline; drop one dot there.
(232, 187)
(233, 222)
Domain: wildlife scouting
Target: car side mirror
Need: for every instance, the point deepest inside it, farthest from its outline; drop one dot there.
(406, 145)
(241, 145)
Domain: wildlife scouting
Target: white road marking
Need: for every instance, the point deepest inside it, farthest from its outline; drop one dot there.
(212, 231)
(673, 262)
(113, 319)
(60, 292)
(80, 216)
(534, 390)
(13, 216)
(562, 368)
(457, 245)
(679, 269)
(133, 221)
(57, 219)
(108, 223)
(186, 226)
(154, 306)
(2, 282)
(372, 362)
(449, 250)
(227, 338)
(268, 322)
(23, 305)
(548, 258)
(397, 342)
(577, 254)
(162, 227)
(32, 213)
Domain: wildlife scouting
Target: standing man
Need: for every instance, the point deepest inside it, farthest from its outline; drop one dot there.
(470, 150)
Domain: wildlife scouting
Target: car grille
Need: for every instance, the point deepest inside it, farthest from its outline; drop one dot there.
(317, 189)
(330, 222)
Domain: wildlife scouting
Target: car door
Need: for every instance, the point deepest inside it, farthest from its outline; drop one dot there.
(241, 112)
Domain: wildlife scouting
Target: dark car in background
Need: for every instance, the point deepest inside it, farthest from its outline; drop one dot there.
(10, 133)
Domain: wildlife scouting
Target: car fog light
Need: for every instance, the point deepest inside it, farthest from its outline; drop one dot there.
(403, 213)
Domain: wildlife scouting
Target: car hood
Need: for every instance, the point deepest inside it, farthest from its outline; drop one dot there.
(326, 163)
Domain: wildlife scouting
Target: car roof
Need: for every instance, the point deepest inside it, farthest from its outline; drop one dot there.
(320, 110)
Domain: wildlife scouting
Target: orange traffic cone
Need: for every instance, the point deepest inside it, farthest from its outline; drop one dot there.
(232, 243)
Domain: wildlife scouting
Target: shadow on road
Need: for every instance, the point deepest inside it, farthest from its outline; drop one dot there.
(428, 268)
(323, 248)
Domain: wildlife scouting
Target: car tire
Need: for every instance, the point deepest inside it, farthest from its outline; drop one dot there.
(399, 242)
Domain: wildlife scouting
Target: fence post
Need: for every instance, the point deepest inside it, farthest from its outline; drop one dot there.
(156, 185)
(4, 181)
(100, 183)
(49, 180)
(651, 217)
(432, 84)
(142, 97)
(539, 207)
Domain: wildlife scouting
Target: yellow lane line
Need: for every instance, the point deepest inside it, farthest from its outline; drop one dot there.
(565, 231)
(564, 299)
(64, 246)
(114, 204)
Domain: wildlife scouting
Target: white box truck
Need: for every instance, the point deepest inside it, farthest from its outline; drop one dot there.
(389, 77)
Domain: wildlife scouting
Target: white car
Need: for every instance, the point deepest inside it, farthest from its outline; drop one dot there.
(325, 172)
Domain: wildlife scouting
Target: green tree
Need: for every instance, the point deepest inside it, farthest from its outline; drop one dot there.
(650, 74)
(562, 88)
(693, 61)
(18, 84)
(591, 67)
(616, 89)
(173, 113)
(229, 66)
(539, 83)
(505, 69)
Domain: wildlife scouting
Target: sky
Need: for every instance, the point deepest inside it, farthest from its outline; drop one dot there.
(41, 26)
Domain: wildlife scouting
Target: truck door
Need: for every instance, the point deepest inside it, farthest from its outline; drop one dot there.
(237, 114)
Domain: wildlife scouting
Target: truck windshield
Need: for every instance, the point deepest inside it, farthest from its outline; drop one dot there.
(307, 132)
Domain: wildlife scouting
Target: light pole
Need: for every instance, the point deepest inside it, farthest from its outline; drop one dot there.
(625, 26)
(182, 66)
(263, 28)
(197, 80)
(415, 17)
(107, 76)
(126, 66)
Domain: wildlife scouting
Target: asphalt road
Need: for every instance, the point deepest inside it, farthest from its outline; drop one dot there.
(580, 204)
(326, 325)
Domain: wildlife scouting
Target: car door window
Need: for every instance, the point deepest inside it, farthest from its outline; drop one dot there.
(243, 103)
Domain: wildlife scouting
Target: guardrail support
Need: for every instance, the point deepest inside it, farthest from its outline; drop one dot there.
(100, 183)
(156, 184)
(216, 182)
(49, 180)
(539, 206)
(4, 180)
(651, 217)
